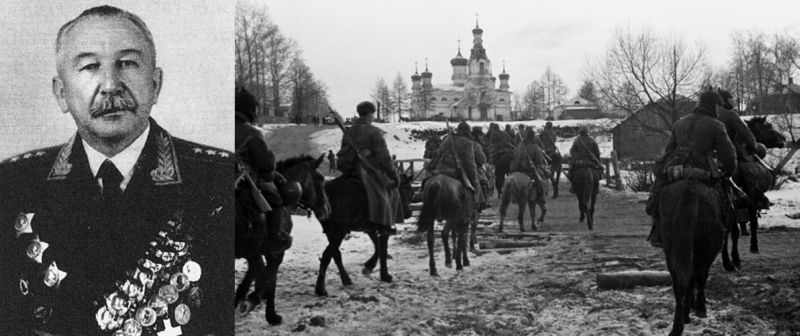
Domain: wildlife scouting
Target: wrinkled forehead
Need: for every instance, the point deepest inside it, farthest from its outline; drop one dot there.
(103, 36)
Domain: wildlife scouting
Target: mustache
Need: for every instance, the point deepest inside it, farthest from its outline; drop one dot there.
(110, 103)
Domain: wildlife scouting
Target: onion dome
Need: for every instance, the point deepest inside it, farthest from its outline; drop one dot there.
(415, 76)
(503, 76)
(459, 60)
(426, 73)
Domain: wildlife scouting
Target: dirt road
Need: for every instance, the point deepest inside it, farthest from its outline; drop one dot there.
(548, 289)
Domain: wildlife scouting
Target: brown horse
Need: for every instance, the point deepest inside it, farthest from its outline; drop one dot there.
(771, 138)
(302, 169)
(586, 184)
(523, 193)
(691, 229)
(446, 198)
(348, 213)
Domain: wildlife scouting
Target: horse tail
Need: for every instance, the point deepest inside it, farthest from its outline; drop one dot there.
(679, 225)
(508, 192)
(430, 205)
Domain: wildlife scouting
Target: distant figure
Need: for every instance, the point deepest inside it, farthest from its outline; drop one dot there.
(331, 161)
(583, 153)
(511, 134)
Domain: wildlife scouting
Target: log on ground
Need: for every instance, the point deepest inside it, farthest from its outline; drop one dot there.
(631, 279)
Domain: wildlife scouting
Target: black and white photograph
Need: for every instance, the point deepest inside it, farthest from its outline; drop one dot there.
(517, 168)
(116, 212)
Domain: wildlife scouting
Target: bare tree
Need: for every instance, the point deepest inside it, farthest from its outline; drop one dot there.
(534, 101)
(555, 91)
(381, 95)
(588, 92)
(642, 69)
(400, 96)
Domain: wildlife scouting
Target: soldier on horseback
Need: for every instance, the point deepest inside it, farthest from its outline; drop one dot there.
(529, 159)
(583, 153)
(548, 139)
(368, 139)
(456, 158)
(689, 155)
(258, 162)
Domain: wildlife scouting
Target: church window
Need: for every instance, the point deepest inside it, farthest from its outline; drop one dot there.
(443, 99)
(502, 99)
(480, 70)
(433, 98)
(577, 102)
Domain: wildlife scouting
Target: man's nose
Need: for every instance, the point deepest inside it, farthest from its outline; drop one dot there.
(111, 84)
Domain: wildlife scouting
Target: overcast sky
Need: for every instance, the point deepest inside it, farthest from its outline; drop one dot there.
(194, 47)
(349, 44)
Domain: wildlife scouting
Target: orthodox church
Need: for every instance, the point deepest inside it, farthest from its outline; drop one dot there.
(473, 93)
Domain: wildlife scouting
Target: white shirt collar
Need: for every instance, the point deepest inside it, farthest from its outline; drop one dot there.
(124, 160)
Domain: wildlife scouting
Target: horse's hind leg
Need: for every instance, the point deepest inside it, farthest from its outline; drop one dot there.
(521, 215)
(726, 259)
(448, 262)
(256, 270)
(465, 258)
(541, 217)
(273, 262)
(337, 258)
(383, 247)
(431, 260)
(373, 260)
(473, 236)
(461, 246)
(753, 212)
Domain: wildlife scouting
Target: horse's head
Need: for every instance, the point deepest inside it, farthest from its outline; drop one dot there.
(406, 193)
(765, 133)
(303, 170)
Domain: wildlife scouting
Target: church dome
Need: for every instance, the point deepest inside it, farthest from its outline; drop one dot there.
(427, 74)
(477, 30)
(458, 60)
(416, 77)
(504, 76)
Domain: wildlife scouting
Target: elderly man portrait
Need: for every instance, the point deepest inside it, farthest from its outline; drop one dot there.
(120, 228)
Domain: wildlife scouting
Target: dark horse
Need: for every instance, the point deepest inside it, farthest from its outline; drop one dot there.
(555, 167)
(771, 138)
(691, 229)
(349, 213)
(520, 189)
(444, 197)
(302, 169)
(586, 184)
(501, 160)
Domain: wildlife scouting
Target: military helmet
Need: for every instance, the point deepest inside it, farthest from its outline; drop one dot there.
(291, 192)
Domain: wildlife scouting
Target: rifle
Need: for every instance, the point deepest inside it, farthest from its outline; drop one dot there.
(460, 168)
(261, 202)
(366, 166)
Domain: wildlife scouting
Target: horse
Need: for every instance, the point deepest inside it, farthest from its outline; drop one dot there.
(692, 233)
(770, 138)
(303, 170)
(444, 197)
(555, 169)
(520, 189)
(586, 184)
(501, 160)
(348, 214)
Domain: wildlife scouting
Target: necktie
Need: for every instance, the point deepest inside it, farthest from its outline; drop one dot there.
(112, 179)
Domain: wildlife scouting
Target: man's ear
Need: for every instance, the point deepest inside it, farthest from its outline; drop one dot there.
(58, 92)
(158, 80)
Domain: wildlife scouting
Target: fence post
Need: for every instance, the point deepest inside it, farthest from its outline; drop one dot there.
(617, 175)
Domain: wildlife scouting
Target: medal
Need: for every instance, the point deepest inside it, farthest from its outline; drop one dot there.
(179, 246)
(119, 332)
(168, 256)
(42, 313)
(36, 249)
(23, 224)
(117, 304)
(182, 314)
(53, 275)
(146, 279)
(104, 318)
(168, 293)
(132, 290)
(192, 270)
(132, 327)
(152, 266)
(180, 281)
(195, 297)
(146, 316)
(159, 306)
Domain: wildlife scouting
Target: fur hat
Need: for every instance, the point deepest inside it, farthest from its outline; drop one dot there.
(463, 128)
(365, 107)
(708, 98)
(245, 103)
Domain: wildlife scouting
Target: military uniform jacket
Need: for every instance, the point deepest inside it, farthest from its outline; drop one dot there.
(706, 134)
(445, 159)
(527, 153)
(369, 139)
(584, 150)
(548, 140)
(254, 154)
(69, 266)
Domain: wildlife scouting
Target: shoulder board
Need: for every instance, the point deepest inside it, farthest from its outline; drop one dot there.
(31, 155)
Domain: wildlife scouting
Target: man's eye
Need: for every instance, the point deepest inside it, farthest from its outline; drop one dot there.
(91, 66)
(128, 64)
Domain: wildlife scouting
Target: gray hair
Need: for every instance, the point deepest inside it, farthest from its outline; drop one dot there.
(106, 11)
